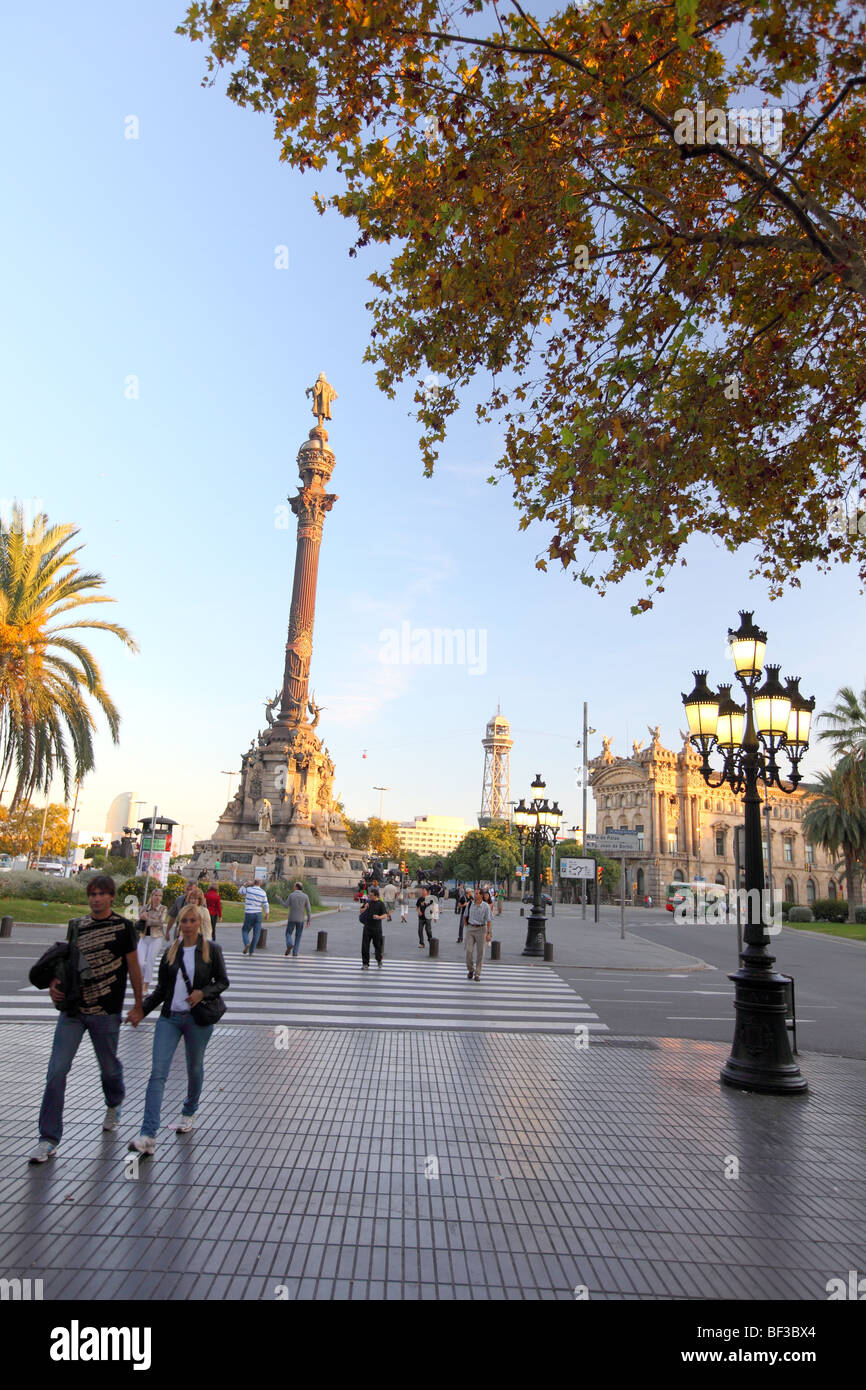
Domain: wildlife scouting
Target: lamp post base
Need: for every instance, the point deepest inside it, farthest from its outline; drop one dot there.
(535, 936)
(761, 1057)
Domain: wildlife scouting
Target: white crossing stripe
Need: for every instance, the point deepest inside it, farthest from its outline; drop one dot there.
(333, 991)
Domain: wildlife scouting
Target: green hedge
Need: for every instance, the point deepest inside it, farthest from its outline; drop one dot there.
(830, 910)
(801, 914)
(860, 914)
(49, 888)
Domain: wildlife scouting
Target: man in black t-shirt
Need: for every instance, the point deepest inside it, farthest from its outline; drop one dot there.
(109, 948)
(374, 913)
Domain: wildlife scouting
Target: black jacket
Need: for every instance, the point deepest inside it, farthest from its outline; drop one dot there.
(209, 976)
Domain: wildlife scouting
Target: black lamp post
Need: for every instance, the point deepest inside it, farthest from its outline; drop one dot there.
(775, 718)
(540, 823)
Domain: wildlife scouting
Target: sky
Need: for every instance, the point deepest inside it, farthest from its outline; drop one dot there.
(154, 363)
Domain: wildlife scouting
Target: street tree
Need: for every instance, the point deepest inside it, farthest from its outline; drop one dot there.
(384, 837)
(836, 820)
(47, 677)
(21, 830)
(654, 278)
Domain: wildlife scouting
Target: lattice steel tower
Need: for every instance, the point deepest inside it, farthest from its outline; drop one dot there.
(497, 744)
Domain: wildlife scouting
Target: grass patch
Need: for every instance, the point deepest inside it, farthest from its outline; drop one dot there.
(855, 931)
(31, 910)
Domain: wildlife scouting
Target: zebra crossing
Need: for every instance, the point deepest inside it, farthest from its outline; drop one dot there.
(334, 992)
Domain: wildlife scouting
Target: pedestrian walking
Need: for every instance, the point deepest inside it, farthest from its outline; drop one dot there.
(372, 917)
(196, 898)
(108, 949)
(192, 974)
(460, 900)
(428, 913)
(179, 902)
(404, 905)
(389, 896)
(152, 925)
(300, 915)
(256, 905)
(500, 899)
(214, 905)
(477, 917)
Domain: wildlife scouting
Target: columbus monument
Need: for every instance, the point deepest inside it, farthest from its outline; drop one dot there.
(282, 818)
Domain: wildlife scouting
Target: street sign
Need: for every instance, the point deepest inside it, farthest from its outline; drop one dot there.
(616, 843)
(577, 868)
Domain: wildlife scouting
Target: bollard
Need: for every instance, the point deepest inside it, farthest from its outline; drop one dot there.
(521, 912)
(548, 950)
(322, 941)
(434, 947)
(495, 950)
(6, 926)
(263, 940)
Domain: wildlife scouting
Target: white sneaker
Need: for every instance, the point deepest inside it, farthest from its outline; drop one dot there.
(184, 1124)
(112, 1115)
(43, 1151)
(143, 1144)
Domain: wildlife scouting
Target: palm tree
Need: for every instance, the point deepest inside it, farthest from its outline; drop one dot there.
(847, 720)
(46, 675)
(836, 820)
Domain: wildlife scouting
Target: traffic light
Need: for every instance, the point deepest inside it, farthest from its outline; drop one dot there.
(598, 873)
(548, 876)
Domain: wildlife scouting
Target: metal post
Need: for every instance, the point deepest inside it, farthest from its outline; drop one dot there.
(737, 888)
(583, 832)
(41, 834)
(71, 826)
(622, 898)
(761, 1058)
(149, 857)
(553, 879)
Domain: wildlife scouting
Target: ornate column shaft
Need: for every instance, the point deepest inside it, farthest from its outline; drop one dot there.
(312, 503)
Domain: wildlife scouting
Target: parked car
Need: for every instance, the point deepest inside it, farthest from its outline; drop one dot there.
(545, 898)
(57, 867)
(5, 863)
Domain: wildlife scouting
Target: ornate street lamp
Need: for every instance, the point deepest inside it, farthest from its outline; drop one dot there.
(775, 719)
(539, 822)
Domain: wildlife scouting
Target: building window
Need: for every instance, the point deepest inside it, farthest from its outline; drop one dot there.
(810, 853)
(708, 806)
(790, 891)
(831, 888)
(720, 878)
(639, 829)
(679, 877)
(810, 891)
(720, 843)
(718, 805)
(789, 852)
(672, 842)
(608, 830)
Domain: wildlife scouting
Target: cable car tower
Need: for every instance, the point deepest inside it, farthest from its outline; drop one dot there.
(497, 744)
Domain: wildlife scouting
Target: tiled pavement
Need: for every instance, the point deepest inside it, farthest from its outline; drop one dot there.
(312, 1170)
(322, 991)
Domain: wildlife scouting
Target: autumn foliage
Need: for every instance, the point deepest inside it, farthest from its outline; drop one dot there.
(670, 334)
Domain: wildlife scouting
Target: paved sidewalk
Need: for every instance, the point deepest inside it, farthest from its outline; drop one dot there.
(375, 1164)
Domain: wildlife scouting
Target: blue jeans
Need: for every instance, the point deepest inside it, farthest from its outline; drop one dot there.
(104, 1030)
(298, 929)
(166, 1036)
(252, 923)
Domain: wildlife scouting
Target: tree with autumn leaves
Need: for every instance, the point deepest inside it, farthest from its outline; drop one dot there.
(670, 334)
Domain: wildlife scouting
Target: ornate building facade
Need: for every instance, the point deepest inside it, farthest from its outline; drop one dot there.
(686, 829)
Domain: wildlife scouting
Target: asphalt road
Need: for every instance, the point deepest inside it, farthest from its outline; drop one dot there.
(829, 979)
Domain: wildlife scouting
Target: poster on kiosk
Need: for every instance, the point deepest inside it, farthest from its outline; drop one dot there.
(155, 855)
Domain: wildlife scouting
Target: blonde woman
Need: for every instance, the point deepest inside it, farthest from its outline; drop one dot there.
(153, 926)
(191, 971)
(195, 898)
